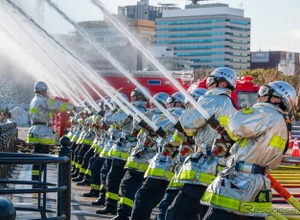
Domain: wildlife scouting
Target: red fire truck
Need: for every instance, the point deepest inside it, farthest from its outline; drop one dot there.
(245, 94)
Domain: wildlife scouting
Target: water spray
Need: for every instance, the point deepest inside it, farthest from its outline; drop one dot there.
(144, 51)
(106, 54)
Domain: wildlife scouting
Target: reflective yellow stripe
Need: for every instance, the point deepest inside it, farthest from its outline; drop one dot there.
(159, 172)
(99, 150)
(278, 142)
(45, 141)
(49, 115)
(95, 187)
(142, 131)
(78, 165)
(33, 110)
(126, 201)
(63, 107)
(82, 170)
(174, 183)
(94, 146)
(88, 172)
(136, 165)
(206, 178)
(35, 172)
(187, 175)
(243, 142)
(73, 162)
(177, 138)
(104, 154)
(86, 141)
(236, 205)
(247, 110)
(223, 120)
(118, 154)
(110, 195)
(51, 101)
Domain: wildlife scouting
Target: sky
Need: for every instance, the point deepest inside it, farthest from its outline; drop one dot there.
(275, 24)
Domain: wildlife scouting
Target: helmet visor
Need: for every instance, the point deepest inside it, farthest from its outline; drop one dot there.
(210, 80)
(170, 100)
(268, 91)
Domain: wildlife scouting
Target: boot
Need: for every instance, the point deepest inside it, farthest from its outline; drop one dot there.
(84, 182)
(101, 199)
(107, 210)
(92, 193)
(75, 173)
(79, 178)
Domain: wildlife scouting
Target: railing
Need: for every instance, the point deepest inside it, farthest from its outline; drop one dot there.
(8, 143)
(63, 186)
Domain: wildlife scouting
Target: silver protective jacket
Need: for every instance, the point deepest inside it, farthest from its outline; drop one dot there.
(162, 166)
(42, 109)
(141, 154)
(201, 168)
(261, 135)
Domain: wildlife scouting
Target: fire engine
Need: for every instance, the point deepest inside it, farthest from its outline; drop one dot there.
(244, 96)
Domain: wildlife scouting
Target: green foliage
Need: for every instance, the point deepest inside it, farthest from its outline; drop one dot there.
(262, 77)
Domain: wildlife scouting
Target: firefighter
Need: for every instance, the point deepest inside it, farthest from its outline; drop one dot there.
(201, 167)
(95, 164)
(161, 167)
(184, 150)
(242, 190)
(110, 136)
(85, 153)
(138, 160)
(40, 133)
(92, 174)
(121, 150)
(77, 152)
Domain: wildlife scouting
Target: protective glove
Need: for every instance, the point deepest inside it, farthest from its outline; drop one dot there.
(219, 148)
(78, 108)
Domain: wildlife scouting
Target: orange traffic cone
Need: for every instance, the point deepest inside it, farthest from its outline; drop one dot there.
(290, 141)
(295, 152)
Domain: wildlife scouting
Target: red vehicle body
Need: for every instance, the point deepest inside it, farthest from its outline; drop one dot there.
(245, 94)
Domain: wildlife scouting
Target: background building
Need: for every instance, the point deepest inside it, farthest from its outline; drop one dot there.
(287, 62)
(210, 35)
(143, 11)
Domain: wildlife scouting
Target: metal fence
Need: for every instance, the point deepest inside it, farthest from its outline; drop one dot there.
(9, 157)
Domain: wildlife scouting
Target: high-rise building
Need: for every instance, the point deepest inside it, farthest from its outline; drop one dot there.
(286, 62)
(143, 11)
(210, 35)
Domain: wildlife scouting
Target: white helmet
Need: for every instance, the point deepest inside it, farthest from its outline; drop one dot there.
(115, 105)
(162, 98)
(40, 87)
(176, 97)
(283, 90)
(222, 74)
(197, 92)
(137, 92)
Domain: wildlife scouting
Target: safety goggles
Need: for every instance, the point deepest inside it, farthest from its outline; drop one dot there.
(170, 100)
(266, 90)
(210, 80)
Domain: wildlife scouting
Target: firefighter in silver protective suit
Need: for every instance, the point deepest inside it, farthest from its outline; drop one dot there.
(120, 151)
(184, 151)
(242, 189)
(42, 109)
(138, 160)
(161, 166)
(201, 167)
